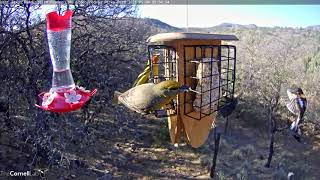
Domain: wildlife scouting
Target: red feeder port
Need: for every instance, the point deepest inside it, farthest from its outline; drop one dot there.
(70, 100)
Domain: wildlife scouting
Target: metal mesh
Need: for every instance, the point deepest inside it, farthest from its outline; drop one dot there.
(166, 66)
(210, 72)
(208, 69)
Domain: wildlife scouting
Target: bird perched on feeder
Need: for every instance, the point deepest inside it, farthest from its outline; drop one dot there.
(298, 106)
(149, 97)
(144, 76)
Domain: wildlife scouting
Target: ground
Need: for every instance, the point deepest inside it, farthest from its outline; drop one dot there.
(134, 147)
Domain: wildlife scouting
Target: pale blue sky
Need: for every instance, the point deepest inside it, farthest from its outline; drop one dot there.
(211, 15)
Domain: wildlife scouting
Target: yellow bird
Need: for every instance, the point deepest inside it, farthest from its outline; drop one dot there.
(144, 76)
(149, 97)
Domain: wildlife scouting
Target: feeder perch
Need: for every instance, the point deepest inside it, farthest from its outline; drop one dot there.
(201, 62)
(63, 96)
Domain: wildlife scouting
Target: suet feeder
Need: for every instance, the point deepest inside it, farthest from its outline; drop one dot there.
(64, 95)
(201, 62)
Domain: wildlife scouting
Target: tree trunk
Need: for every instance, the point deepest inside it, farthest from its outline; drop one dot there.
(272, 133)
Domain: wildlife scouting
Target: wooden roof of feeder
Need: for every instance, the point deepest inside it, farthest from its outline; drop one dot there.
(169, 37)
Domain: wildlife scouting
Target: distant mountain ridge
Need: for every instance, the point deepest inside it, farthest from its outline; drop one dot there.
(315, 27)
(224, 26)
(159, 24)
(231, 25)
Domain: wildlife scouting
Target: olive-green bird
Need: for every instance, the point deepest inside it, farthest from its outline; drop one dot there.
(149, 97)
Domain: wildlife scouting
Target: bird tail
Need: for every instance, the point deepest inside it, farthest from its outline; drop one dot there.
(115, 99)
(295, 124)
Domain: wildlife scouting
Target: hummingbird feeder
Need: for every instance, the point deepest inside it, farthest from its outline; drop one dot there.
(203, 63)
(64, 95)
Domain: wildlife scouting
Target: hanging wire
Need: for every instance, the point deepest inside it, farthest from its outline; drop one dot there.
(59, 8)
(187, 15)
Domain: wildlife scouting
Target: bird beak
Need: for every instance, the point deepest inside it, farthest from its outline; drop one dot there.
(184, 88)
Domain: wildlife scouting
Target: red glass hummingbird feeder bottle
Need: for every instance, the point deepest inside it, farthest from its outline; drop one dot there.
(64, 95)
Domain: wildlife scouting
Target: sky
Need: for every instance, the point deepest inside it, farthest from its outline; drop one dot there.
(211, 15)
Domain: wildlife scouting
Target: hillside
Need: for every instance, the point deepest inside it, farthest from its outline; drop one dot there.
(160, 26)
(163, 27)
(315, 27)
(107, 141)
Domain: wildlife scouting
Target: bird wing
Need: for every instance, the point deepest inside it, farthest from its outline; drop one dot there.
(291, 95)
(143, 77)
(292, 105)
(138, 98)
